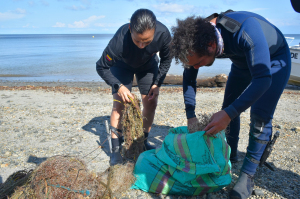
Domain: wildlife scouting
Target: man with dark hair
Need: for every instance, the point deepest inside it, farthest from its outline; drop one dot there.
(261, 65)
(133, 51)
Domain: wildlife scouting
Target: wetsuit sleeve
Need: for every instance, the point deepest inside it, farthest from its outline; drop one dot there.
(189, 91)
(109, 57)
(165, 59)
(255, 47)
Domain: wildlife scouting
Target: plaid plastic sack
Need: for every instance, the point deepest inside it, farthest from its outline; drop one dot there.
(185, 164)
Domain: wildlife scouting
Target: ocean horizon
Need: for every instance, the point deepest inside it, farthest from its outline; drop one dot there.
(72, 57)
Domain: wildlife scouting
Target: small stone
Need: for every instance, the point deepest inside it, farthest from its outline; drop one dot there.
(258, 192)
(4, 165)
(277, 126)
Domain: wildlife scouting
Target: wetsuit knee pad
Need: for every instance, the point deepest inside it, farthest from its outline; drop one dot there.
(259, 136)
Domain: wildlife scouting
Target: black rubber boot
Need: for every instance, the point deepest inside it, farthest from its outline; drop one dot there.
(147, 145)
(115, 156)
(243, 188)
(233, 157)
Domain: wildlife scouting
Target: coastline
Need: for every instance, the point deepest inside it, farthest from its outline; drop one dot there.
(39, 120)
(172, 80)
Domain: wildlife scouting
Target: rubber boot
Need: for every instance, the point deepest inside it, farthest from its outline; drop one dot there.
(147, 145)
(233, 157)
(115, 156)
(243, 188)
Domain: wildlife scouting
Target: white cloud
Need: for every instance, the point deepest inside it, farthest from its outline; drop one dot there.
(78, 24)
(29, 26)
(106, 25)
(172, 7)
(9, 15)
(59, 25)
(76, 8)
(20, 11)
(99, 25)
(86, 22)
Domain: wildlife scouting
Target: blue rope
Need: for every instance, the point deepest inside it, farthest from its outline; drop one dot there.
(84, 192)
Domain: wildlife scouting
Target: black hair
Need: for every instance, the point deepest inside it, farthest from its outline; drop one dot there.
(192, 35)
(142, 20)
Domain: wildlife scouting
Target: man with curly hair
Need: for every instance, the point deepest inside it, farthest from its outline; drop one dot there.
(261, 65)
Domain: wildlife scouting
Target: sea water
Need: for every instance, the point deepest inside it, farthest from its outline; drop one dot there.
(71, 57)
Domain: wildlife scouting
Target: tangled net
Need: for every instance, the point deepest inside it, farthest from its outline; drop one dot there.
(68, 177)
(132, 127)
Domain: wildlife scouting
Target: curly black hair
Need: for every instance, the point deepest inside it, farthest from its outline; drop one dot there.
(191, 35)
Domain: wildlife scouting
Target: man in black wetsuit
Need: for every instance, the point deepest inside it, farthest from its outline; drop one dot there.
(260, 69)
(133, 51)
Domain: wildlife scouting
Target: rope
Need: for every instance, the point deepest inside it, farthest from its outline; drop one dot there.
(118, 101)
(84, 192)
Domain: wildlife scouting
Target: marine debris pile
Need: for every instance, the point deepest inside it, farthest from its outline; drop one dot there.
(132, 127)
(67, 177)
(203, 120)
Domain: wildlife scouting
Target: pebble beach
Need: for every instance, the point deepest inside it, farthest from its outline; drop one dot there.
(39, 120)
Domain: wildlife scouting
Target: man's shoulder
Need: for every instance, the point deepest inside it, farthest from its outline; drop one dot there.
(161, 27)
(116, 43)
(122, 30)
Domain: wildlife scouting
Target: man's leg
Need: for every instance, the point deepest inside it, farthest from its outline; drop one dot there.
(116, 132)
(238, 80)
(148, 114)
(262, 112)
(145, 79)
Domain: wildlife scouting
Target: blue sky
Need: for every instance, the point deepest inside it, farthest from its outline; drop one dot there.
(98, 16)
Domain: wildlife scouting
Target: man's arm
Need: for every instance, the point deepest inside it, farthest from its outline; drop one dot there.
(252, 41)
(255, 47)
(189, 91)
(109, 57)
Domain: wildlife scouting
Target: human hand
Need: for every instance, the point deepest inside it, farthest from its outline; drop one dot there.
(153, 93)
(193, 125)
(218, 122)
(124, 93)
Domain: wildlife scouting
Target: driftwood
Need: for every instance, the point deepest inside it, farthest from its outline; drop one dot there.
(217, 81)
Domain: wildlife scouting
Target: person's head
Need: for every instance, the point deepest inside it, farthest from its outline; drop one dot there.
(142, 27)
(194, 42)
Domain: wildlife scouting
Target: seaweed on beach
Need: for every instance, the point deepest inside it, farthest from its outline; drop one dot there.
(17, 179)
(203, 121)
(132, 127)
(68, 177)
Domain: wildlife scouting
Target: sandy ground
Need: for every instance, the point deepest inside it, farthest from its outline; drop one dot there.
(40, 120)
